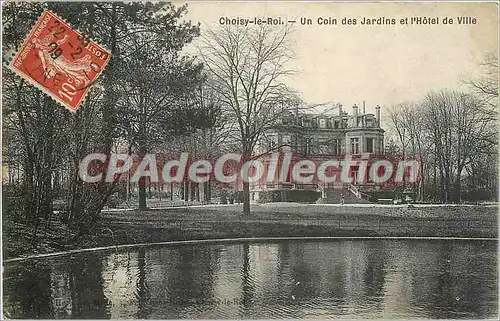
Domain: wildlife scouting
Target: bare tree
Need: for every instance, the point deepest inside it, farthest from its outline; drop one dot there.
(249, 65)
(452, 134)
(461, 129)
(397, 124)
(406, 122)
(486, 86)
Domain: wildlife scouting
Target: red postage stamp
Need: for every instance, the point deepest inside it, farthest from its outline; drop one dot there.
(59, 60)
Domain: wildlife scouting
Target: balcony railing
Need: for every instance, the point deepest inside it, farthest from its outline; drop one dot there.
(356, 192)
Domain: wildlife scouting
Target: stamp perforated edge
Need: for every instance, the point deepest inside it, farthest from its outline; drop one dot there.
(35, 83)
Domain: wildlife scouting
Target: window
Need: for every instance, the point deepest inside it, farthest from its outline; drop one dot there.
(369, 145)
(322, 122)
(337, 147)
(354, 145)
(336, 124)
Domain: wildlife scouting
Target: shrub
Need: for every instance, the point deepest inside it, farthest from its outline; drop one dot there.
(301, 196)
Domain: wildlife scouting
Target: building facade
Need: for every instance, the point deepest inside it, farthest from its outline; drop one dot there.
(319, 136)
(327, 134)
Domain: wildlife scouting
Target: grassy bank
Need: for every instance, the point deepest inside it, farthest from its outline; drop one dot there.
(267, 220)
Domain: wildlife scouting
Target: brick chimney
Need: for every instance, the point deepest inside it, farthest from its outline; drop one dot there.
(377, 114)
(363, 115)
(355, 115)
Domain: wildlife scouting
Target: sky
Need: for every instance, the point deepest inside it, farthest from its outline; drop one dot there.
(379, 64)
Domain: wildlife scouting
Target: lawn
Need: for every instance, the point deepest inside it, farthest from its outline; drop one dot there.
(121, 226)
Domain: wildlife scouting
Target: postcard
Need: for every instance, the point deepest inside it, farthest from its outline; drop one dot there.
(250, 160)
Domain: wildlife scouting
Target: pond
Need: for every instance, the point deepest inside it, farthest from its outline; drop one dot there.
(277, 279)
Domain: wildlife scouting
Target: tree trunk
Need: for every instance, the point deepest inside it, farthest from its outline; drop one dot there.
(209, 191)
(142, 179)
(142, 193)
(456, 191)
(246, 198)
(457, 186)
(206, 192)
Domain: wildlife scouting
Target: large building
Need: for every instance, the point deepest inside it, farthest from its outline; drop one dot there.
(327, 134)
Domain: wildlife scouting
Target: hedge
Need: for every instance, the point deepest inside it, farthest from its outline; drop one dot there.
(302, 196)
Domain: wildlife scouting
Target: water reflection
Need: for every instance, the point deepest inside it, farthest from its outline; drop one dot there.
(334, 279)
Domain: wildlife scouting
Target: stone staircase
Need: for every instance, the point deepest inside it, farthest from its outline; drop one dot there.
(351, 196)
